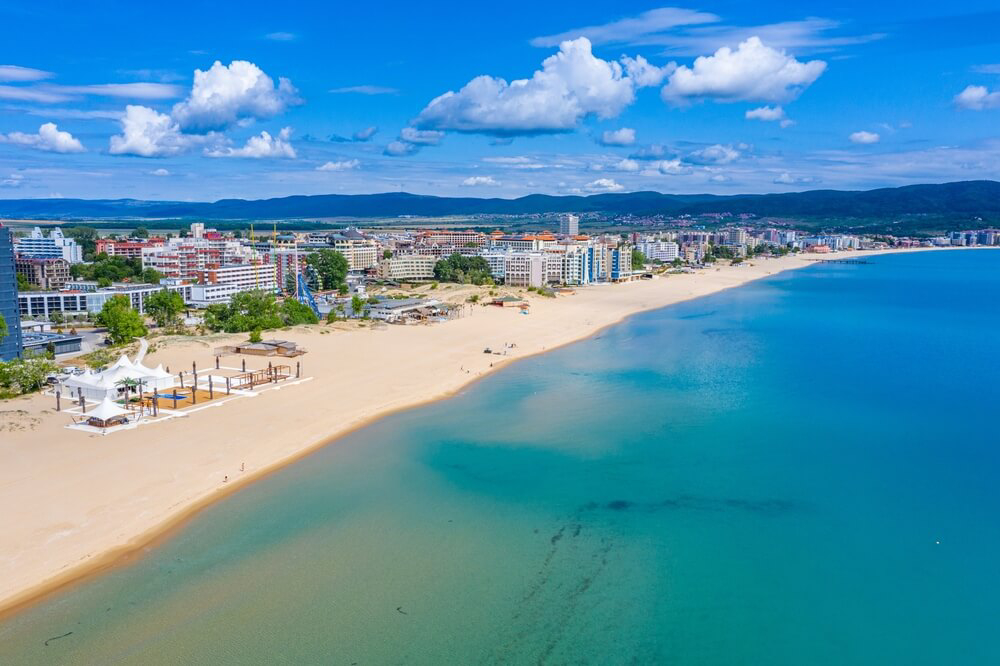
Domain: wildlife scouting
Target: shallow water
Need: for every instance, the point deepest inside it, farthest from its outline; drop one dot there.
(800, 471)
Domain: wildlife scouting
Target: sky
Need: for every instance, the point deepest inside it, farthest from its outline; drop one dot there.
(205, 101)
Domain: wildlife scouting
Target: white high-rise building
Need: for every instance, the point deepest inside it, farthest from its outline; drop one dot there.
(569, 225)
(54, 246)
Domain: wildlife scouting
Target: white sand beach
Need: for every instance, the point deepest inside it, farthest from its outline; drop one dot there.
(76, 502)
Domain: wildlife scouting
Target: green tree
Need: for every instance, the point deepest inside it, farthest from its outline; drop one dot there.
(141, 232)
(387, 254)
(357, 305)
(123, 323)
(165, 307)
(246, 311)
(638, 258)
(255, 336)
(25, 375)
(150, 276)
(330, 267)
(293, 313)
(462, 269)
(23, 284)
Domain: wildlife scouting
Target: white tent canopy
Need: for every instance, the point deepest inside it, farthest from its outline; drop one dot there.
(106, 410)
(111, 382)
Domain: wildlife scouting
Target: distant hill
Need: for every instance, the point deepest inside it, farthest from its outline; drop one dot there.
(980, 197)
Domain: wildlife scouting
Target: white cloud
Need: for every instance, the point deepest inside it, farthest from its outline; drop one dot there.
(159, 172)
(786, 178)
(645, 75)
(715, 154)
(400, 149)
(752, 72)
(619, 137)
(365, 134)
(281, 36)
(571, 85)
(864, 137)
(149, 133)
(75, 114)
(479, 181)
(673, 167)
(518, 162)
(603, 185)
(766, 113)
(627, 165)
(365, 90)
(987, 69)
(629, 29)
(260, 146)
(23, 94)
(49, 138)
(977, 98)
(21, 74)
(13, 180)
(224, 95)
(123, 90)
(342, 165)
(720, 178)
(422, 137)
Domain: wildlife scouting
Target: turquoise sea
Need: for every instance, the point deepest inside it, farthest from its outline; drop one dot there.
(802, 471)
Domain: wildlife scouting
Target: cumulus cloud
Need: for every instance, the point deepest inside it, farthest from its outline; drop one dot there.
(645, 75)
(627, 165)
(651, 152)
(864, 137)
(672, 167)
(260, 146)
(752, 72)
(571, 85)
(224, 95)
(342, 165)
(159, 172)
(977, 98)
(21, 74)
(766, 113)
(715, 154)
(479, 181)
(603, 185)
(49, 138)
(786, 178)
(365, 90)
(148, 133)
(13, 180)
(281, 36)
(400, 149)
(619, 137)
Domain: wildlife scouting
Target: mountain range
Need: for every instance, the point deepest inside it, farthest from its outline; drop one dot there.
(979, 197)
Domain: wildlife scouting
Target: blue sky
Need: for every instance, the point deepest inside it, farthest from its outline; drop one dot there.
(195, 101)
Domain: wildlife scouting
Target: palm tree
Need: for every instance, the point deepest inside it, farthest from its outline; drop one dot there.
(127, 384)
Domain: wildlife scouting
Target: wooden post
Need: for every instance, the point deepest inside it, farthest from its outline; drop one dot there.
(83, 403)
(298, 369)
(227, 386)
(175, 398)
(194, 389)
(156, 402)
(244, 365)
(194, 368)
(211, 391)
(216, 362)
(58, 401)
(181, 375)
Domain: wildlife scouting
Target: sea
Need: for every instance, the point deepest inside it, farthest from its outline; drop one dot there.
(800, 471)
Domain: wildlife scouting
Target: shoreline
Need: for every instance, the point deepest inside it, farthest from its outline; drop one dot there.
(103, 554)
